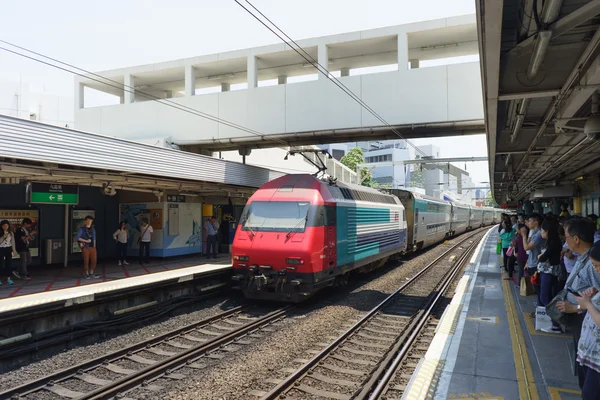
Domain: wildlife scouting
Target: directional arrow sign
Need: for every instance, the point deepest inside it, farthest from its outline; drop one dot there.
(54, 194)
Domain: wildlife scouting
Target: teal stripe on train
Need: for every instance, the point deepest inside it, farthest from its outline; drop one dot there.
(348, 219)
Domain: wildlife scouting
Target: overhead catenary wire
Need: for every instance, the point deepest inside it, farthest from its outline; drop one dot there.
(323, 70)
(120, 86)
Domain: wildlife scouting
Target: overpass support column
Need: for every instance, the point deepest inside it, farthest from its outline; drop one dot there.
(190, 80)
(129, 92)
(282, 80)
(225, 87)
(345, 72)
(79, 95)
(402, 52)
(252, 72)
(414, 64)
(323, 58)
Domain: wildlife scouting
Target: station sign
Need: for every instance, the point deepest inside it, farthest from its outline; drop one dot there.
(46, 193)
(175, 198)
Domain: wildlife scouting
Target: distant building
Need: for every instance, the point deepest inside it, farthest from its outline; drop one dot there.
(21, 100)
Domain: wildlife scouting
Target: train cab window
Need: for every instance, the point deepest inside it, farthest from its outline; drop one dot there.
(275, 216)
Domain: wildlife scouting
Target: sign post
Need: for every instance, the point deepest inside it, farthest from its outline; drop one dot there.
(46, 193)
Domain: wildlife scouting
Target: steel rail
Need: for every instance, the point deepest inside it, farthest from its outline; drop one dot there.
(64, 374)
(288, 382)
(385, 373)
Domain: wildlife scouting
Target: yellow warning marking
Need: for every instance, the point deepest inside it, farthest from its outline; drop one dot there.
(475, 396)
(487, 320)
(527, 388)
(555, 392)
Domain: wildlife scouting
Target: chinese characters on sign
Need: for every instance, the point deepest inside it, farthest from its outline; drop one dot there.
(175, 198)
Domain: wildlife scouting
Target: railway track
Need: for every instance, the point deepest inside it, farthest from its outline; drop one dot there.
(383, 347)
(167, 356)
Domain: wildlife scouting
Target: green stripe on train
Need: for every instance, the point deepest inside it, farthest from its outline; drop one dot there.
(348, 219)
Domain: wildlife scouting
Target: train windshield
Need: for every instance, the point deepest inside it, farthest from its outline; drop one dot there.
(276, 216)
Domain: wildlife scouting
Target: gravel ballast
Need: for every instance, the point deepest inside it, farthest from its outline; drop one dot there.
(238, 375)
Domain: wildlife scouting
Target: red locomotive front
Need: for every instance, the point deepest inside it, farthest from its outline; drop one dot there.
(282, 245)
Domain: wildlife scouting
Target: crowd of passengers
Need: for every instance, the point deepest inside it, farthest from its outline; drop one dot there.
(560, 256)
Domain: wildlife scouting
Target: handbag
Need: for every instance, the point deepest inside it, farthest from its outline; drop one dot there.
(510, 251)
(525, 287)
(143, 233)
(551, 309)
(499, 248)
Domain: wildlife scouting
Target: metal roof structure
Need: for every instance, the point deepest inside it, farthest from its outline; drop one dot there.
(33, 151)
(540, 69)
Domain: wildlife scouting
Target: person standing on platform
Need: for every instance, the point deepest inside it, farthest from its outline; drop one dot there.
(564, 211)
(212, 229)
(588, 350)
(22, 238)
(507, 237)
(121, 236)
(7, 250)
(579, 234)
(86, 236)
(549, 267)
(520, 253)
(534, 246)
(145, 239)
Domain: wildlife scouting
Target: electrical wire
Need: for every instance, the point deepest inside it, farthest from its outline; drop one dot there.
(323, 70)
(132, 90)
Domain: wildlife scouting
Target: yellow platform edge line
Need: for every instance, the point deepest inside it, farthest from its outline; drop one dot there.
(525, 380)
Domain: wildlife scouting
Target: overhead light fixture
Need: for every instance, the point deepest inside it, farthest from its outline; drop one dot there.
(540, 45)
(222, 76)
(141, 87)
(579, 178)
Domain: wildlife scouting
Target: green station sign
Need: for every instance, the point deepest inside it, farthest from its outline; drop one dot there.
(45, 193)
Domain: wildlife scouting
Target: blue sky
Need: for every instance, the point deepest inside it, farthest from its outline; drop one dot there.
(112, 34)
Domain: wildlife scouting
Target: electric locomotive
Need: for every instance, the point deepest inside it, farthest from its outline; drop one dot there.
(299, 234)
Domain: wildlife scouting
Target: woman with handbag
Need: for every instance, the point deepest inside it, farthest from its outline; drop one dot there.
(507, 237)
(521, 254)
(579, 234)
(549, 267)
(588, 350)
(7, 250)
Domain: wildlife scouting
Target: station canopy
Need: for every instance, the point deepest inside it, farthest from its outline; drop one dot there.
(36, 152)
(540, 72)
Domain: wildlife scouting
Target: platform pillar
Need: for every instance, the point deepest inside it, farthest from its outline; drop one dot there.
(66, 261)
(190, 80)
(129, 92)
(225, 87)
(252, 72)
(577, 205)
(345, 72)
(323, 58)
(282, 80)
(556, 206)
(402, 52)
(527, 207)
(414, 64)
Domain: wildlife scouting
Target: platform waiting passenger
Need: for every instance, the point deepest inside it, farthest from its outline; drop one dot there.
(86, 236)
(145, 239)
(212, 229)
(7, 249)
(121, 236)
(23, 237)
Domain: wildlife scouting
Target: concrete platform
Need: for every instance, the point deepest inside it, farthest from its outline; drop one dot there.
(486, 346)
(59, 284)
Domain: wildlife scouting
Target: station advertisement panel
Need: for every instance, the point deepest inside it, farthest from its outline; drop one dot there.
(77, 217)
(15, 217)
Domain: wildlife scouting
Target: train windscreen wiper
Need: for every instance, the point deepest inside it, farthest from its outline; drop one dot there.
(305, 220)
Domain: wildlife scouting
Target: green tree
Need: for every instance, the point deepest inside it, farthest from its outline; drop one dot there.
(352, 159)
(489, 200)
(416, 178)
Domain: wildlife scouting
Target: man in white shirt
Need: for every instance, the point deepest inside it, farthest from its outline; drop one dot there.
(212, 229)
(145, 239)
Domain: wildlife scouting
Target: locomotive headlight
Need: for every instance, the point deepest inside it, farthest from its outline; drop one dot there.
(294, 261)
(241, 258)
